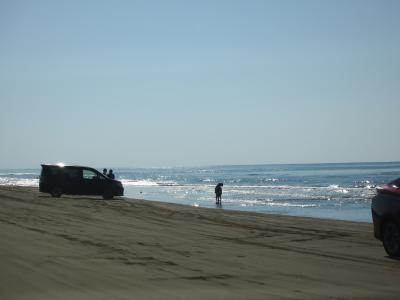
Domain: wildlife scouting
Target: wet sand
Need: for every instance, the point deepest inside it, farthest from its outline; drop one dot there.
(88, 248)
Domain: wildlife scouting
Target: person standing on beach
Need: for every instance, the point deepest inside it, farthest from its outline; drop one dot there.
(218, 193)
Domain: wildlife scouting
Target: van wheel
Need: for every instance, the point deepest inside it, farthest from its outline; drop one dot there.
(108, 194)
(391, 239)
(56, 192)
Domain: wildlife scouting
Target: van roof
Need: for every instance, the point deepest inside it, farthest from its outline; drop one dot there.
(64, 166)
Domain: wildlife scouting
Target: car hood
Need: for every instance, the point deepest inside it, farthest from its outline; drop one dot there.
(389, 189)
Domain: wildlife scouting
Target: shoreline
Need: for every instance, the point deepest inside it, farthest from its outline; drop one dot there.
(244, 211)
(87, 248)
(128, 198)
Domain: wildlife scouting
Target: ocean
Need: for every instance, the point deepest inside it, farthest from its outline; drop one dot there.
(341, 191)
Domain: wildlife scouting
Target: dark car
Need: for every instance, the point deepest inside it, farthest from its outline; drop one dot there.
(77, 180)
(386, 216)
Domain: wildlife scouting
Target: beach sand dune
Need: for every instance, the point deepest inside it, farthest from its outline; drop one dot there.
(88, 248)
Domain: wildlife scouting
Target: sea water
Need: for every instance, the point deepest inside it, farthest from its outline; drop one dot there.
(332, 191)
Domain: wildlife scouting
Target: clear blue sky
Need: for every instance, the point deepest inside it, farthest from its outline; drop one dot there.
(185, 83)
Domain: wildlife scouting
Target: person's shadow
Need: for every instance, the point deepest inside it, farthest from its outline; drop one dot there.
(218, 204)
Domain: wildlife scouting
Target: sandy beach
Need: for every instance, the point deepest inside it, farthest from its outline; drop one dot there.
(89, 248)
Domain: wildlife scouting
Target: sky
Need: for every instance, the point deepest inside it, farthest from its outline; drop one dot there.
(190, 83)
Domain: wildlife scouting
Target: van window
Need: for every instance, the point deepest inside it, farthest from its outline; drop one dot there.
(54, 171)
(88, 174)
(73, 173)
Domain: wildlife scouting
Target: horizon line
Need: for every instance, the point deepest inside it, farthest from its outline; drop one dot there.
(214, 165)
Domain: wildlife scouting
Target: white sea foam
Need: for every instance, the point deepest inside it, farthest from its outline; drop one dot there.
(130, 182)
(253, 202)
(18, 174)
(276, 204)
(19, 181)
(333, 186)
(343, 191)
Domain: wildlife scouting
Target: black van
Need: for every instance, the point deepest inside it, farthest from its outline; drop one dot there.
(77, 180)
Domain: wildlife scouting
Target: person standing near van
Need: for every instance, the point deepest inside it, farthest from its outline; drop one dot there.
(111, 174)
(218, 193)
